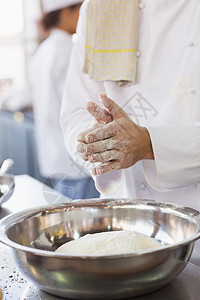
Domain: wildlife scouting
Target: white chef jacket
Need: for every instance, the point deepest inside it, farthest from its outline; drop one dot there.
(50, 66)
(165, 99)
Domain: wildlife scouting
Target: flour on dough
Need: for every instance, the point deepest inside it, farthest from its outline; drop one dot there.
(109, 243)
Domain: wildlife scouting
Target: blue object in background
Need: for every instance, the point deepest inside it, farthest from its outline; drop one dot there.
(17, 141)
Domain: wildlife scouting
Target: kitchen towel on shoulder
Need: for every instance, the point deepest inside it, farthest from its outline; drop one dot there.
(111, 40)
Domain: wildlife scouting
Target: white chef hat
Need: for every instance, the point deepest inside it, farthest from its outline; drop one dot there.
(53, 5)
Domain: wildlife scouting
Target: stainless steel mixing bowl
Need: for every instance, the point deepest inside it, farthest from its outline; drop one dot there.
(34, 235)
(7, 185)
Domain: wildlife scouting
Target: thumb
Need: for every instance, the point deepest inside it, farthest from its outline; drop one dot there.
(100, 114)
(113, 108)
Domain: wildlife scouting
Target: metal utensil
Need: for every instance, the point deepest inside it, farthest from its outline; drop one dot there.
(7, 181)
(6, 165)
(34, 234)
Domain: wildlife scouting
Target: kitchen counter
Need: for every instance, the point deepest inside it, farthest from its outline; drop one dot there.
(29, 193)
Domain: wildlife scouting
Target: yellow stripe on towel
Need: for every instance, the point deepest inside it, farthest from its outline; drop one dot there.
(110, 51)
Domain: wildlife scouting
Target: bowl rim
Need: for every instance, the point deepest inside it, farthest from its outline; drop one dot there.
(13, 218)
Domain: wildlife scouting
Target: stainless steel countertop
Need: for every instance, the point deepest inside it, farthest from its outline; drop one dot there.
(30, 192)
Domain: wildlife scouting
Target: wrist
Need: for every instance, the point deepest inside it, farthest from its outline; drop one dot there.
(149, 149)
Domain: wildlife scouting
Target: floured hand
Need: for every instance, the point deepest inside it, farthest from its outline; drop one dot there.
(115, 141)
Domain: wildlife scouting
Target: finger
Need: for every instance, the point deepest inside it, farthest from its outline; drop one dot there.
(89, 149)
(100, 146)
(114, 109)
(105, 132)
(80, 147)
(106, 156)
(85, 149)
(81, 136)
(84, 157)
(106, 168)
(100, 114)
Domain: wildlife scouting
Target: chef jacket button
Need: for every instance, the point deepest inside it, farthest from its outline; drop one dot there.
(141, 5)
(191, 44)
(143, 186)
(138, 53)
(192, 91)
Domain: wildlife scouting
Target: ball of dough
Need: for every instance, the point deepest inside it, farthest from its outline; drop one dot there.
(108, 243)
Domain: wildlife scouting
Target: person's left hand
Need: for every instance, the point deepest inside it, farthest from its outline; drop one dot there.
(118, 144)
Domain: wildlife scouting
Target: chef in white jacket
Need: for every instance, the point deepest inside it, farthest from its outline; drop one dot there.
(161, 109)
(50, 66)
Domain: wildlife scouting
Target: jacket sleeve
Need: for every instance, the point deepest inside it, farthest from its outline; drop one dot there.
(78, 90)
(177, 157)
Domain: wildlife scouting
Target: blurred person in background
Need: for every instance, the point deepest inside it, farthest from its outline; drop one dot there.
(50, 66)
